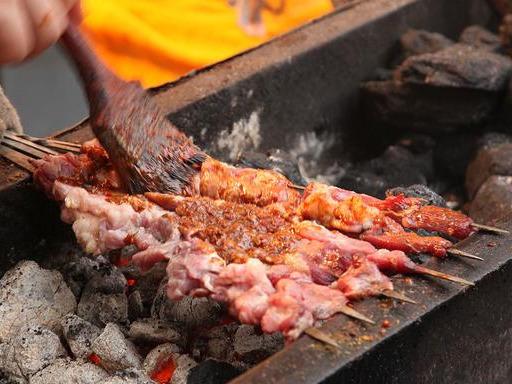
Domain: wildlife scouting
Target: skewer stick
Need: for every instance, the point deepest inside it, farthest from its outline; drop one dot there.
(295, 186)
(346, 310)
(489, 228)
(458, 252)
(319, 335)
(397, 295)
(441, 275)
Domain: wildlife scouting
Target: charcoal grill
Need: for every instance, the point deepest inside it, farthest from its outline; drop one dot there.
(309, 80)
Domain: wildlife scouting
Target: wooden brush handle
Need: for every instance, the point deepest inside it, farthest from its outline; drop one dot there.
(97, 79)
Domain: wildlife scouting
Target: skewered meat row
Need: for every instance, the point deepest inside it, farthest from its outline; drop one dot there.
(216, 247)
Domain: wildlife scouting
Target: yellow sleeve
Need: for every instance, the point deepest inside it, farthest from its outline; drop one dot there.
(156, 41)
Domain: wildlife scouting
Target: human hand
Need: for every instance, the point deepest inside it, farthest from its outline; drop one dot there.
(29, 26)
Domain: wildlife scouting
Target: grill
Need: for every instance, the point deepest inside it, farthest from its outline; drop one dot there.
(309, 80)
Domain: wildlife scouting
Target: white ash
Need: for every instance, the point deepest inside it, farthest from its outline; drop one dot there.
(155, 331)
(129, 376)
(309, 153)
(244, 135)
(66, 371)
(79, 334)
(115, 351)
(158, 356)
(33, 349)
(31, 295)
(78, 272)
(184, 365)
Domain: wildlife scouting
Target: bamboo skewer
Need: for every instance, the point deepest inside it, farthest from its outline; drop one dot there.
(458, 252)
(321, 336)
(489, 228)
(398, 296)
(445, 276)
(346, 310)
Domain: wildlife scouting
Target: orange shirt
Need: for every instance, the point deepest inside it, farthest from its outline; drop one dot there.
(157, 41)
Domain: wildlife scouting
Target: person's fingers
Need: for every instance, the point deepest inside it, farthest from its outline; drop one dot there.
(16, 39)
(49, 19)
(75, 14)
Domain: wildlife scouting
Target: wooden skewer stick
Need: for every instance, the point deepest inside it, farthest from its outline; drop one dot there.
(295, 186)
(17, 158)
(458, 252)
(346, 310)
(441, 275)
(489, 228)
(397, 295)
(319, 335)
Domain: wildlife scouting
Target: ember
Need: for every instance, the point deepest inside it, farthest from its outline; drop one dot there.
(94, 358)
(163, 374)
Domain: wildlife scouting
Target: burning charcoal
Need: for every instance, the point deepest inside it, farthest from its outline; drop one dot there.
(458, 66)
(104, 300)
(79, 335)
(184, 364)
(212, 372)
(147, 283)
(417, 42)
(129, 376)
(488, 162)
(30, 295)
(480, 37)
(421, 191)
(160, 357)
(64, 371)
(189, 311)
(453, 153)
(276, 160)
(135, 306)
(154, 331)
(31, 350)
(252, 346)
(423, 108)
(493, 200)
(114, 350)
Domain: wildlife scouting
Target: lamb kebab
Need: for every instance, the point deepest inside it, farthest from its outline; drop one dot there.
(109, 220)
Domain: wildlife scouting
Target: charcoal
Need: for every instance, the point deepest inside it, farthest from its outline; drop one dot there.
(216, 342)
(78, 272)
(135, 306)
(30, 295)
(425, 109)
(453, 153)
(212, 372)
(129, 376)
(252, 346)
(480, 37)
(458, 66)
(65, 371)
(493, 200)
(155, 331)
(488, 162)
(417, 143)
(417, 42)
(114, 350)
(492, 139)
(159, 356)
(103, 298)
(33, 349)
(382, 74)
(276, 160)
(147, 283)
(184, 364)
(79, 334)
(189, 311)
(421, 191)
(397, 166)
(506, 32)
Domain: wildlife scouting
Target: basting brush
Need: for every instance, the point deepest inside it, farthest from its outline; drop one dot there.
(149, 153)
